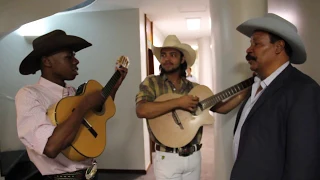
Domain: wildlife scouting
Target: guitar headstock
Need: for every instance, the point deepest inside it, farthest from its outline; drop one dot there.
(123, 61)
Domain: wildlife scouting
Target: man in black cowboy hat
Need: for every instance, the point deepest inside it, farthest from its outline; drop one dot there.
(277, 131)
(54, 55)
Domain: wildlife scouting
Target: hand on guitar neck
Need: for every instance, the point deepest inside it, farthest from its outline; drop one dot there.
(123, 71)
(148, 110)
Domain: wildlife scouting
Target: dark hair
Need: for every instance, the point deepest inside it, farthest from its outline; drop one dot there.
(182, 67)
(274, 38)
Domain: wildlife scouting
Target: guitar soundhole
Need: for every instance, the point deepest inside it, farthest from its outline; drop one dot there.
(100, 110)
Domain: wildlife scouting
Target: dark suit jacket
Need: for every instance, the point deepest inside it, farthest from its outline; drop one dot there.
(280, 139)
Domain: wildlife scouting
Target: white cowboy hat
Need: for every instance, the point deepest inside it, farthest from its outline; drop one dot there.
(277, 25)
(172, 41)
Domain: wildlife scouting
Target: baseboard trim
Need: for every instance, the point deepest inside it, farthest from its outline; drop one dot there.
(126, 171)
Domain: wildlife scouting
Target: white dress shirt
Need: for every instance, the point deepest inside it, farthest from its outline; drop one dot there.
(251, 101)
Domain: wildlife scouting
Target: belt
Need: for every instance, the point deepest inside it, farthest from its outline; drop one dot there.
(183, 151)
(76, 175)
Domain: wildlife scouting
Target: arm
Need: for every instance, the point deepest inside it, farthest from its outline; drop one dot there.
(226, 106)
(35, 129)
(64, 133)
(145, 109)
(302, 159)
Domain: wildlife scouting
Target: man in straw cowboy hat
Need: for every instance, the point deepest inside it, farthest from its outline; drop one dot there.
(54, 55)
(174, 58)
(277, 131)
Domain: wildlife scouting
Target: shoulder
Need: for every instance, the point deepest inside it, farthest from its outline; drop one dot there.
(299, 80)
(28, 91)
(192, 83)
(152, 76)
(299, 85)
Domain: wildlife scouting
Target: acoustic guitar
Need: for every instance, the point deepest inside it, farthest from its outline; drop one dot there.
(90, 140)
(178, 127)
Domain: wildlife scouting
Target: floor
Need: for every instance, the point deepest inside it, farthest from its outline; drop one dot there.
(207, 162)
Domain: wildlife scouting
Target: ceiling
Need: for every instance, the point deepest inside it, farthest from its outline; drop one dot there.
(169, 16)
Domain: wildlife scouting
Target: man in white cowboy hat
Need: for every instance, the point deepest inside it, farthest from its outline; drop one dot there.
(54, 55)
(174, 58)
(277, 131)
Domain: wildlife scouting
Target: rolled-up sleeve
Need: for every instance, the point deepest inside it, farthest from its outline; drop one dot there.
(33, 125)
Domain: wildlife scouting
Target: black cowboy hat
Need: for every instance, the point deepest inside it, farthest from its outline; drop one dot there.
(47, 44)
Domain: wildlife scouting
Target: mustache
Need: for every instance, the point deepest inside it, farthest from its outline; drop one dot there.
(250, 57)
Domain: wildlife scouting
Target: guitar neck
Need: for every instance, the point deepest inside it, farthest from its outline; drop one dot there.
(106, 90)
(212, 100)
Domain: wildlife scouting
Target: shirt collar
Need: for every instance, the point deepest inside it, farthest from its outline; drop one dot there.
(165, 78)
(53, 87)
(266, 82)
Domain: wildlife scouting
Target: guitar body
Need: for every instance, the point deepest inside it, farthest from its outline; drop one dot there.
(85, 144)
(168, 132)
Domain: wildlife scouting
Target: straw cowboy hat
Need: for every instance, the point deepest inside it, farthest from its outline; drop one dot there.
(172, 41)
(277, 25)
(47, 44)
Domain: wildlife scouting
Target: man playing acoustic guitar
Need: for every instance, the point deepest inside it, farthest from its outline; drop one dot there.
(54, 55)
(174, 57)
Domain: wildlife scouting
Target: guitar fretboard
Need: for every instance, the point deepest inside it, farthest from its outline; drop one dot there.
(212, 100)
(111, 83)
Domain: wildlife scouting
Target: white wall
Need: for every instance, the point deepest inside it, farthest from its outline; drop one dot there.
(158, 39)
(112, 34)
(204, 63)
(305, 15)
(143, 64)
(229, 67)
